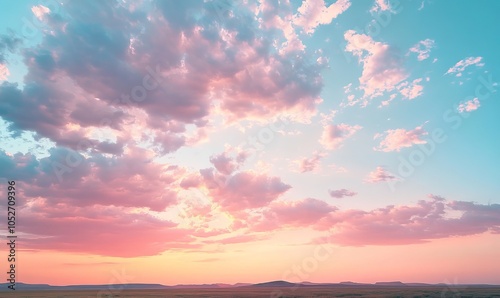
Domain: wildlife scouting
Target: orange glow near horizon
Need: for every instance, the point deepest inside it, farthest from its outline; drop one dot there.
(433, 262)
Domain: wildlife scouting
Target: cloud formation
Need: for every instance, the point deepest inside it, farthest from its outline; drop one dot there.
(397, 139)
(309, 164)
(4, 72)
(435, 218)
(419, 223)
(167, 70)
(130, 95)
(381, 5)
(226, 164)
(334, 135)
(99, 231)
(380, 174)
(461, 65)
(243, 190)
(313, 13)
(382, 64)
(423, 49)
(469, 106)
(411, 90)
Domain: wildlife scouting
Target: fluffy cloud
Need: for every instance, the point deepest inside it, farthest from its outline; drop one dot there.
(424, 221)
(469, 106)
(298, 213)
(118, 89)
(243, 190)
(20, 166)
(380, 175)
(67, 177)
(226, 164)
(382, 64)
(383, 71)
(172, 68)
(461, 65)
(67, 216)
(334, 135)
(313, 13)
(40, 11)
(396, 139)
(435, 218)
(97, 230)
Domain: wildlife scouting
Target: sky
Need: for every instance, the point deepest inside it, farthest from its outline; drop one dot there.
(183, 142)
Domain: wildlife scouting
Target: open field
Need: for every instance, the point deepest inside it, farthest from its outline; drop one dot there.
(247, 292)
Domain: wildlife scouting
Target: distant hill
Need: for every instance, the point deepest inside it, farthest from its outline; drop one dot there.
(391, 283)
(350, 283)
(271, 284)
(240, 284)
(45, 287)
(277, 283)
(23, 286)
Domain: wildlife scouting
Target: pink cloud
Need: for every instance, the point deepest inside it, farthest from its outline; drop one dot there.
(380, 175)
(397, 225)
(469, 106)
(98, 230)
(226, 164)
(4, 72)
(334, 135)
(423, 49)
(411, 90)
(381, 5)
(278, 15)
(391, 225)
(131, 72)
(243, 190)
(313, 13)
(396, 139)
(309, 164)
(340, 193)
(387, 101)
(298, 213)
(261, 91)
(191, 181)
(382, 65)
(119, 181)
(461, 65)
(40, 11)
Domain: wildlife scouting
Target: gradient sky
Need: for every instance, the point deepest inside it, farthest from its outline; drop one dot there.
(215, 141)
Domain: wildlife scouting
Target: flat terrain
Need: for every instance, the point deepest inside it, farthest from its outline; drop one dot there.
(248, 292)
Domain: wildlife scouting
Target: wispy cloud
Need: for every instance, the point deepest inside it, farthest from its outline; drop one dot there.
(461, 65)
(423, 49)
